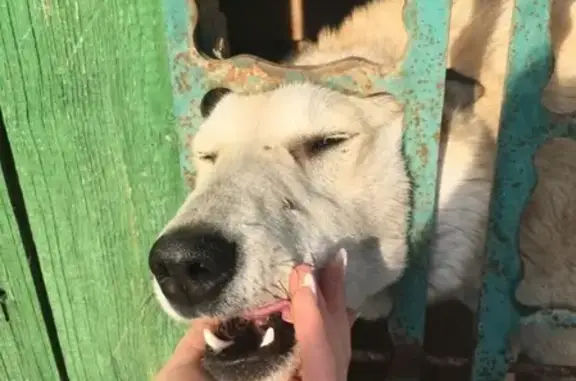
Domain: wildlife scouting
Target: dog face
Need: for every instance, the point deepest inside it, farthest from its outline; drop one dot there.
(284, 177)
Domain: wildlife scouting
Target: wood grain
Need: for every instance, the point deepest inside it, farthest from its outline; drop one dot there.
(87, 103)
(25, 352)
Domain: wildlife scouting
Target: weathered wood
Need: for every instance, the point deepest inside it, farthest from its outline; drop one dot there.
(87, 103)
(25, 352)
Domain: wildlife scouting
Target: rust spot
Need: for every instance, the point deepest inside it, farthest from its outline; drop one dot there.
(183, 82)
(188, 142)
(423, 153)
(183, 59)
(186, 121)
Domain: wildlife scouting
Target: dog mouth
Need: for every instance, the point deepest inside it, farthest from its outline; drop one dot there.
(254, 340)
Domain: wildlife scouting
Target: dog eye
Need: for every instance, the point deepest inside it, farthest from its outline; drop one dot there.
(207, 157)
(319, 145)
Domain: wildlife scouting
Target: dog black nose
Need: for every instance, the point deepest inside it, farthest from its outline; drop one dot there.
(192, 265)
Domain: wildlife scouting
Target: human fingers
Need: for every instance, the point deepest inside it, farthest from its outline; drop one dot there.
(306, 300)
(182, 372)
(352, 316)
(315, 352)
(332, 284)
(191, 347)
(184, 364)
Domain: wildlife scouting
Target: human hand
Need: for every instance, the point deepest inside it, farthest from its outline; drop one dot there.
(321, 321)
(185, 363)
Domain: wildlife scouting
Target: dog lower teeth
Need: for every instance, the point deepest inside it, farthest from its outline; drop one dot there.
(268, 337)
(217, 345)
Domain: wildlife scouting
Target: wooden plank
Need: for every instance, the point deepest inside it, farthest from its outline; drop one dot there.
(25, 352)
(88, 108)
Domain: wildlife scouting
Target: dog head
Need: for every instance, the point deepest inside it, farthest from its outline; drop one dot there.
(284, 177)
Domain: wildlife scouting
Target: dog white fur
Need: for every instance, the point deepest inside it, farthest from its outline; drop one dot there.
(256, 177)
(478, 46)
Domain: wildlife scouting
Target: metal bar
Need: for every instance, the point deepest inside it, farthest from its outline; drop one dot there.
(186, 75)
(421, 87)
(523, 129)
(193, 73)
(297, 19)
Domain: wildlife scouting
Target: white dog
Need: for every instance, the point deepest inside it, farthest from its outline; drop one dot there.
(291, 175)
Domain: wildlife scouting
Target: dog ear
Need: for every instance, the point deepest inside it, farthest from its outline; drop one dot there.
(211, 99)
(460, 91)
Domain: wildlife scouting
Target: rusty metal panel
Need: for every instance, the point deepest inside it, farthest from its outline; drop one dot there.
(525, 125)
(194, 73)
(419, 85)
(421, 88)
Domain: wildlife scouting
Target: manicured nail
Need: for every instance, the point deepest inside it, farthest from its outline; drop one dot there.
(287, 315)
(309, 282)
(342, 256)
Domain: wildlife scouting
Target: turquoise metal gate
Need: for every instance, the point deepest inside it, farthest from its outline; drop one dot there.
(525, 126)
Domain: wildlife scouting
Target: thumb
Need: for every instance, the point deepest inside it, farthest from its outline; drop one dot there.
(308, 311)
(191, 347)
(185, 363)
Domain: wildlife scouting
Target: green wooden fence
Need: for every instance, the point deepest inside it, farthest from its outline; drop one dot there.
(90, 164)
(86, 100)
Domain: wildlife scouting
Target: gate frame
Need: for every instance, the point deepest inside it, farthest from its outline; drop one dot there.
(194, 73)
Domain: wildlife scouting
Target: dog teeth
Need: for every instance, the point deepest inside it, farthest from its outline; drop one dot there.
(217, 345)
(268, 337)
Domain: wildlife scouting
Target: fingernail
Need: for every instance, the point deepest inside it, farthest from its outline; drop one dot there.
(309, 282)
(342, 256)
(287, 315)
